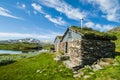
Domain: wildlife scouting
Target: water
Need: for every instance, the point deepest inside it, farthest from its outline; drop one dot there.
(10, 52)
(19, 52)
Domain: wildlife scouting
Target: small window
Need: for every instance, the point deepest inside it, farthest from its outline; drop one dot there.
(69, 35)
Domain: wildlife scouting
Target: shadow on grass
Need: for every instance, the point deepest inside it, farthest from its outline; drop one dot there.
(5, 54)
(117, 54)
(6, 62)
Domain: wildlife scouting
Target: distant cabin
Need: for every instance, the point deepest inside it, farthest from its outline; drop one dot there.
(85, 45)
(57, 43)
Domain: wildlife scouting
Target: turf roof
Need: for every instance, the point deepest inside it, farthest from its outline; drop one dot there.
(93, 34)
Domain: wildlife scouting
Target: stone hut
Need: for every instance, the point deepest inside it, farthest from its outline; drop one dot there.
(85, 46)
(57, 43)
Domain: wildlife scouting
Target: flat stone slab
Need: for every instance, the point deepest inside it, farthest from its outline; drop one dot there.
(96, 67)
(69, 64)
(57, 58)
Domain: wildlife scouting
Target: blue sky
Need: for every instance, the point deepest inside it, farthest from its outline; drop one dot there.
(44, 19)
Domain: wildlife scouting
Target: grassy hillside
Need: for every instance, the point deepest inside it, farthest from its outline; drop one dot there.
(116, 32)
(25, 47)
(19, 46)
(117, 42)
(41, 67)
(117, 29)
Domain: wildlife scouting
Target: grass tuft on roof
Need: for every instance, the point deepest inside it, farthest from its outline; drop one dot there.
(89, 33)
(59, 37)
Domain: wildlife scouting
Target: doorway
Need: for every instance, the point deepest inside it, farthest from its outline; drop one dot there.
(66, 47)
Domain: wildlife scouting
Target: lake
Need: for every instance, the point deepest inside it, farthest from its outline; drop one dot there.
(10, 52)
(19, 52)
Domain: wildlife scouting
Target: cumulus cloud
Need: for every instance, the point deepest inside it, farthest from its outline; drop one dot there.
(63, 7)
(57, 20)
(98, 26)
(37, 7)
(90, 24)
(6, 13)
(110, 8)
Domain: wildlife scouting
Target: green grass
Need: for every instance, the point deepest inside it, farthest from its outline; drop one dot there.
(19, 46)
(117, 42)
(48, 46)
(26, 69)
(43, 67)
(10, 58)
(4, 60)
(109, 73)
(25, 46)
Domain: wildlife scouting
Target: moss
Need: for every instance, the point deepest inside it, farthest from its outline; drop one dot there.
(89, 33)
(59, 37)
(117, 42)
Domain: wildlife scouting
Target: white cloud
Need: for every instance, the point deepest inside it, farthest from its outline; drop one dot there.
(14, 35)
(21, 6)
(98, 26)
(6, 13)
(57, 20)
(62, 7)
(90, 24)
(37, 7)
(20, 35)
(110, 8)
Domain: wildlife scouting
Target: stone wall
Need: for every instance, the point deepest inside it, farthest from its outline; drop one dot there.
(62, 47)
(83, 52)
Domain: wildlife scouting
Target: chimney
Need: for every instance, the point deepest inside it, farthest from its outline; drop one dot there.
(81, 21)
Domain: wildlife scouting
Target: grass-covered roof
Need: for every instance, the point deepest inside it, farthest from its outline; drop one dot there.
(59, 37)
(93, 34)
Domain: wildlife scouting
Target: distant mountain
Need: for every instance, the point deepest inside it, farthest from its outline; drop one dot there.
(29, 40)
(117, 29)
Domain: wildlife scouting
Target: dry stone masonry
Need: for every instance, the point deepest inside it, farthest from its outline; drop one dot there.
(84, 51)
